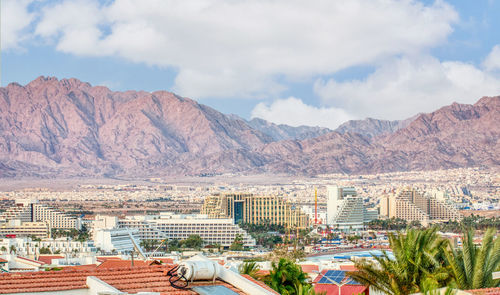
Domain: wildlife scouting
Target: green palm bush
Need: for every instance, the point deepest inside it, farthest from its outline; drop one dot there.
(249, 268)
(472, 266)
(285, 276)
(417, 259)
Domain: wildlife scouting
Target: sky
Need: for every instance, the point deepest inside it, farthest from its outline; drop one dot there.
(317, 63)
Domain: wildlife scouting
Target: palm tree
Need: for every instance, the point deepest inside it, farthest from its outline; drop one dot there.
(472, 266)
(417, 259)
(249, 268)
(304, 289)
(13, 249)
(285, 275)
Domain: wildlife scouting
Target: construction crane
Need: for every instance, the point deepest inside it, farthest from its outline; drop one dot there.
(315, 206)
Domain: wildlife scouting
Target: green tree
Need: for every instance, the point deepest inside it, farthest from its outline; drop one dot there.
(249, 268)
(193, 241)
(45, 250)
(472, 266)
(417, 259)
(237, 244)
(285, 276)
(174, 245)
(12, 249)
(3, 249)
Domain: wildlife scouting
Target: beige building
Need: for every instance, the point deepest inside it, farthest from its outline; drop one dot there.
(244, 207)
(25, 229)
(32, 211)
(411, 204)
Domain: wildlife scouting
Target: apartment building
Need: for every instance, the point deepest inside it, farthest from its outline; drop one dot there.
(32, 211)
(176, 227)
(346, 210)
(19, 228)
(248, 208)
(411, 204)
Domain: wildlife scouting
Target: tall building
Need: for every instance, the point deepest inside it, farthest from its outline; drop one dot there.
(249, 208)
(345, 210)
(32, 211)
(411, 204)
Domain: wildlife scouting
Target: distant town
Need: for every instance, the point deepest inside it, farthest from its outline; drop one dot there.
(324, 224)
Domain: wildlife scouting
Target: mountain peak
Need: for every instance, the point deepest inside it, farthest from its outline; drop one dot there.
(52, 128)
(493, 101)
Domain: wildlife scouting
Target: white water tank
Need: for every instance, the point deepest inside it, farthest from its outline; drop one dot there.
(194, 270)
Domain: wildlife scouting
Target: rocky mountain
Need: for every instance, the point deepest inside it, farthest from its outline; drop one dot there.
(285, 132)
(373, 127)
(458, 135)
(67, 128)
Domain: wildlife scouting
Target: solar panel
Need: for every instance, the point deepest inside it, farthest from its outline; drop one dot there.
(335, 276)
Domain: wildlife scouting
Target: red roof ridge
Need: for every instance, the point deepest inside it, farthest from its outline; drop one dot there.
(31, 260)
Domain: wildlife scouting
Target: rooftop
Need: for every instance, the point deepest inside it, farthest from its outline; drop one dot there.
(126, 279)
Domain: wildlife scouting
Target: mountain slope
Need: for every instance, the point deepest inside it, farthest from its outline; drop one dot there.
(77, 129)
(67, 128)
(458, 135)
(284, 132)
(373, 127)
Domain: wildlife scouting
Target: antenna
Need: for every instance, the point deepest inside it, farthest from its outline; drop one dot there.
(315, 206)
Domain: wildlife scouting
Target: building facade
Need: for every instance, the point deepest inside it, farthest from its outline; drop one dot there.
(248, 208)
(345, 210)
(176, 227)
(32, 211)
(18, 228)
(413, 205)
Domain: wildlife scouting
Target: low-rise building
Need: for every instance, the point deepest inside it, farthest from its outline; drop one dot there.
(19, 228)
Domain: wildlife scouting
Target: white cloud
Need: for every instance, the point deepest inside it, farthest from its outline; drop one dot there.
(243, 48)
(492, 61)
(294, 112)
(15, 19)
(405, 86)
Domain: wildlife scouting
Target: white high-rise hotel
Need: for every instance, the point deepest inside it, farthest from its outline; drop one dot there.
(345, 210)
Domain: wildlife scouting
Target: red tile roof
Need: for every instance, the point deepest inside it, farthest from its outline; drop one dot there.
(309, 268)
(47, 259)
(262, 272)
(132, 280)
(3, 260)
(104, 258)
(332, 289)
(113, 263)
(348, 267)
(486, 291)
(80, 267)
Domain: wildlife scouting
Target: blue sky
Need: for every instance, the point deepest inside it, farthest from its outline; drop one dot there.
(294, 62)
